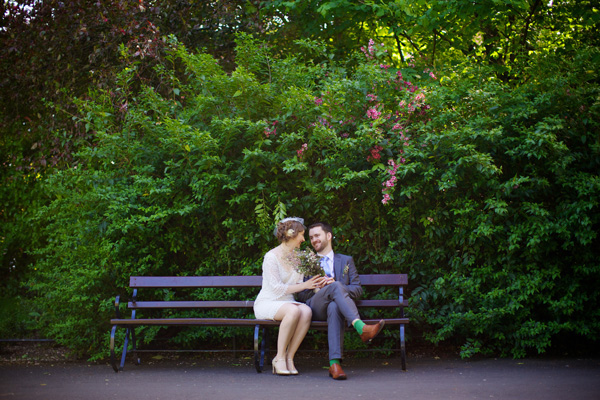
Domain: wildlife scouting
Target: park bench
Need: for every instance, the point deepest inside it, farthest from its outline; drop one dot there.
(397, 282)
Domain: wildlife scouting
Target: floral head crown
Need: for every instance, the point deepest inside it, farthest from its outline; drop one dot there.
(297, 219)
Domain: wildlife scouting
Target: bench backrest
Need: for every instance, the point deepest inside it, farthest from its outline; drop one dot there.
(168, 282)
(244, 281)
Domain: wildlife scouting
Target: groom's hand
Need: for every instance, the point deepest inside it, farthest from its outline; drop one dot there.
(324, 281)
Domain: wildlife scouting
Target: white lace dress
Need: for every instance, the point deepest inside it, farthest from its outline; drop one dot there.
(277, 276)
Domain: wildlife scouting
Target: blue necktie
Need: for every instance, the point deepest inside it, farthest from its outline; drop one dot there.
(325, 266)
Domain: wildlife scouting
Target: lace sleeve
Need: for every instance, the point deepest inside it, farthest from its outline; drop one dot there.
(272, 277)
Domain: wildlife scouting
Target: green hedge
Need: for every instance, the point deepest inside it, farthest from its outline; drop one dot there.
(484, 193)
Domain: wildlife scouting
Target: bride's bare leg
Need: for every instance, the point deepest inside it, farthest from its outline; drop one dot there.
(299, 334)
(289, 315)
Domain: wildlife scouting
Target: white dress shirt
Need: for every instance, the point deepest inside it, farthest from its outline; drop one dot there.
(329, 262)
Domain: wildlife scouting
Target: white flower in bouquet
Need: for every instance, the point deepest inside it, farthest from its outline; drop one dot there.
(306, 262)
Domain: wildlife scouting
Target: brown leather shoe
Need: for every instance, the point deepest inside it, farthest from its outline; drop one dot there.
(370, 331)
(336, 372)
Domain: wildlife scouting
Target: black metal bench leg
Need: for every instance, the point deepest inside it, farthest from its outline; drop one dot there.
(402, 348)
(113, 358)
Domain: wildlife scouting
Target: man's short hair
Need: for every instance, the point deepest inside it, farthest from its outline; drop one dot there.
(323, 225)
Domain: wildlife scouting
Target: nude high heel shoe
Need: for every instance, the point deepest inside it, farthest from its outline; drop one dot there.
(291, 367)
(277, 370)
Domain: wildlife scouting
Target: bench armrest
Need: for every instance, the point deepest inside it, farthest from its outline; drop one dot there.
(117, 303)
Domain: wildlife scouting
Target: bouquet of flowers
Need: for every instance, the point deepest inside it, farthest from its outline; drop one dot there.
(306, 262)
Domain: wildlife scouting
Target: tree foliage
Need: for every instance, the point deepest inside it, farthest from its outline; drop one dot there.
(504, 34)
(55, 50)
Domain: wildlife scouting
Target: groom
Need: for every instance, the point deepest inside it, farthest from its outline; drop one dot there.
(334, 300)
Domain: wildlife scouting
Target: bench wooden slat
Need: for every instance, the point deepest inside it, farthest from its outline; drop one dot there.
(243, 281)
(194, 281)
(140, 305)
(191, 304)
(380, 303)
(384, 280)
(189, 321)
(227, 322)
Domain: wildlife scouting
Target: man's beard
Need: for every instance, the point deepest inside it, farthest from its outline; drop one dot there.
(320, 246)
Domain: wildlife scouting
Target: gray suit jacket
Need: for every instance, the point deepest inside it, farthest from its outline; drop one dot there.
(345, 272)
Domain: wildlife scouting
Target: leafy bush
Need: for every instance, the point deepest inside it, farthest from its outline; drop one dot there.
(502, 187)
(486, 195)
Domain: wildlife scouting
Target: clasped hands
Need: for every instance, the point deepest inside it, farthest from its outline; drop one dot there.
(318, 282)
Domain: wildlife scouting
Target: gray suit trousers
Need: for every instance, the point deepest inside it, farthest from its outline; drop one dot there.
(334, 304)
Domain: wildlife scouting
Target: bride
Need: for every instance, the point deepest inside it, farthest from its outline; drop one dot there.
(275, 300)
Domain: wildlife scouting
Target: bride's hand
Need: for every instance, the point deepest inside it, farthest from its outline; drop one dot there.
(313, 283)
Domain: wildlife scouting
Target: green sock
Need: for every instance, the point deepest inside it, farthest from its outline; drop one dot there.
(358, 325)
(334, 361)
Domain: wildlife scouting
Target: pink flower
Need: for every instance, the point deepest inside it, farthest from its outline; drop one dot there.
(371, 43)
(301, 151)
(432, 75)
(394, 166)
(375, 153)
(370, 49)
(324, 122)
(273, 131)
(372, 97)
(373, 113)
(318, 101)
(270, 132)
(386, 198)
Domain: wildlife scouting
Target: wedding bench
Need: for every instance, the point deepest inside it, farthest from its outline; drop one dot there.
(149, 307)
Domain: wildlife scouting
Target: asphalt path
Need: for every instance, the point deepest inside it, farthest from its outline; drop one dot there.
(427, 378)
